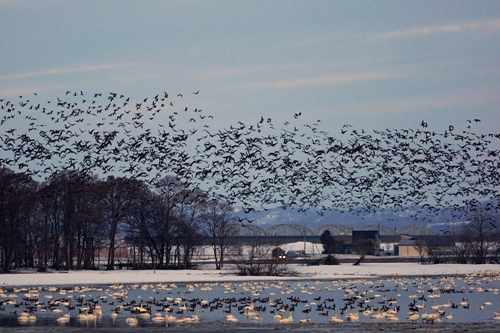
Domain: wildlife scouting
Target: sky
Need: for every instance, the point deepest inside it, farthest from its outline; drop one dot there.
(371, 64)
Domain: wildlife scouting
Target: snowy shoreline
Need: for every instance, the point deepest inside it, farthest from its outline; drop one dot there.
(207, 273)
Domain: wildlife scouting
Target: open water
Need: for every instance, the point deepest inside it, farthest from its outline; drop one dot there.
(465, 303)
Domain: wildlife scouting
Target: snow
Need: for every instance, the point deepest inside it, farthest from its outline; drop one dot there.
(207, 273)
(308, 247)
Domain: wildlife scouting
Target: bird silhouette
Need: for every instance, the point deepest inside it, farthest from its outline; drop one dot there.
(305, 166)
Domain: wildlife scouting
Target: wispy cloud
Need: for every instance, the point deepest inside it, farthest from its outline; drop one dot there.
(233, 71)
(255, 69)
(68, 70)
(26, 90)
(457, 99)
(332, 79)
(488, 25)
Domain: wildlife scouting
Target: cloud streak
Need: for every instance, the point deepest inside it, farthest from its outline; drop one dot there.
(465, 97)
(68, 70)
(235, 71)
(25, 90)
(331, 79)
(489, 25)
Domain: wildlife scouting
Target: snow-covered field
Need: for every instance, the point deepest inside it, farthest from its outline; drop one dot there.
(207, 273)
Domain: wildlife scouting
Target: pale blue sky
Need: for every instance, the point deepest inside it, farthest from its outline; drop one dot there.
(372, 64)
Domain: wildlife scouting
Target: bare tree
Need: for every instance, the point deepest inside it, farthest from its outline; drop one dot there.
(363, 247)
(422, 247)
(91, 238)
(174, 227)
(365, 242)
(495, 244)
(189, 232)
(480, 231)
(256, 260)
(118, 195)
(50, 225)
(15, 188)
(141, 231)
(436, 249)
(219, 225)
(68, 202)
(27, 248)
(163, 217)
(329, 248)
(462, 246)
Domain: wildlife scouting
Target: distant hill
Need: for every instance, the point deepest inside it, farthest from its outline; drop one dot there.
(312, 218)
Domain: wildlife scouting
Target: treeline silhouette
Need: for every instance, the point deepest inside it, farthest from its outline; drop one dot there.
(257, 165)
(67, 221)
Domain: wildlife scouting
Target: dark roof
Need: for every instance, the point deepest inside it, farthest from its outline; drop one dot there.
(365, 234)
(406, 242)
(436, 240)
(343, 238)
(390, 238)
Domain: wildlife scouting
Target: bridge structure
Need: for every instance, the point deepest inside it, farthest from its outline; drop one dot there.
(291, 233)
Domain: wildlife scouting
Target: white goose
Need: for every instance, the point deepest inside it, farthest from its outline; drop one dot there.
(336, 319)
(286, 320)
(231, 318)
(64, 319)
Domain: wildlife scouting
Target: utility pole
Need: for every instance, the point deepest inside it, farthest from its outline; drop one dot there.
(305, 238)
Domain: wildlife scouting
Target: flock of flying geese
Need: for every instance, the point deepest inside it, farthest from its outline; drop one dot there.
(258, 165)
(382, 300)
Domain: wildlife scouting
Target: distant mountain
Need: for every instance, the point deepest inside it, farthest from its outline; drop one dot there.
(312, 218)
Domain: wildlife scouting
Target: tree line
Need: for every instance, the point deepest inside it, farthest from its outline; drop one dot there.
(67, 221)
(476, 241)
